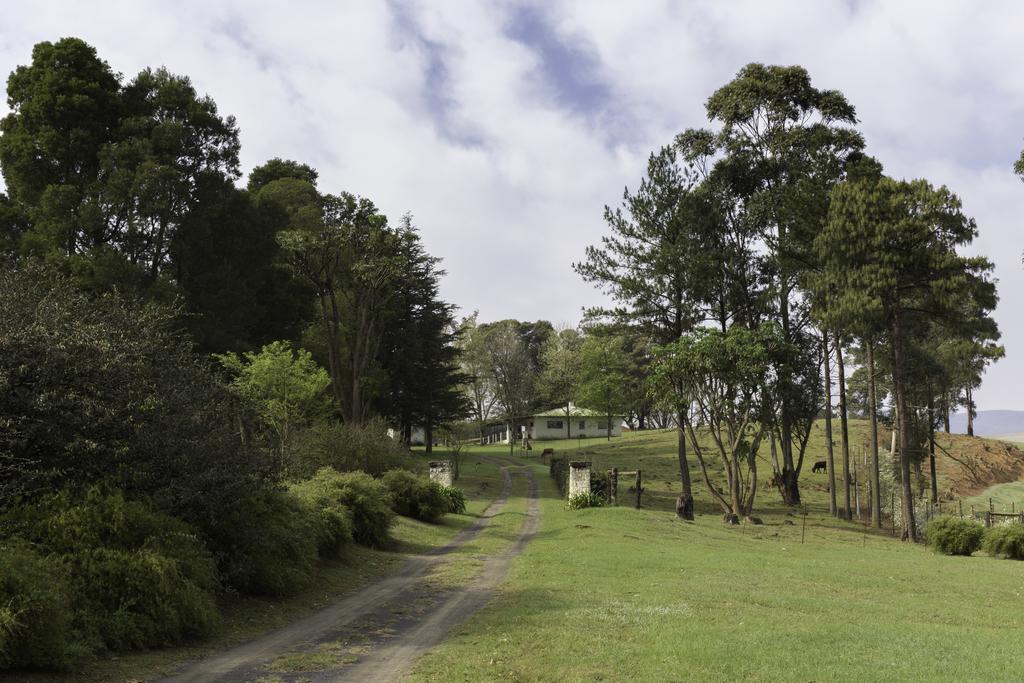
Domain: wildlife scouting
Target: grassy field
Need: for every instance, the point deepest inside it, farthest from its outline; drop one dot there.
(618, 593)
(1008, 497)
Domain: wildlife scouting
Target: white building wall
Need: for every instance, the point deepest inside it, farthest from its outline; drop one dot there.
(585, 426)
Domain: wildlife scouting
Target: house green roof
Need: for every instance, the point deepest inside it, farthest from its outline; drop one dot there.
(575, 411)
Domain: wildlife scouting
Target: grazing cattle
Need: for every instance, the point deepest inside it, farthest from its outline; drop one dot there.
(547, 451)
(772, 482)
(820, 466)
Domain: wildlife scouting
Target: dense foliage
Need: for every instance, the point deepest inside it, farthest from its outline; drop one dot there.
(954, 536)
(1005, 541)
(416, 497)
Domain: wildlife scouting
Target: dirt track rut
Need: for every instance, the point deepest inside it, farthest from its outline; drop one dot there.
(378, 632)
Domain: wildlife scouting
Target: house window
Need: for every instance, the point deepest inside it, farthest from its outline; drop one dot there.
(554, 424)
(583, 424)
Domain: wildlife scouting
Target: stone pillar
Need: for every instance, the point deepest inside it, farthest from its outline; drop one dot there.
(579, 478)
(441, 472)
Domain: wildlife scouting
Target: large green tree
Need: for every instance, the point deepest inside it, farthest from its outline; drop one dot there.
(890, 266)
(721, 377)
(605, 373)
(559, 378)
(784, 144)
(64, 109)
(660, 265)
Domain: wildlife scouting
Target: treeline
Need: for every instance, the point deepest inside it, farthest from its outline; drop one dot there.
(195, 377)
(764, 257)
(514, 369)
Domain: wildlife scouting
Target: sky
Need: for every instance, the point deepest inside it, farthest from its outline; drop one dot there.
(506, 127)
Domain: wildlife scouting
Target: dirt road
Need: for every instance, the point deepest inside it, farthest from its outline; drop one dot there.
(377, 632)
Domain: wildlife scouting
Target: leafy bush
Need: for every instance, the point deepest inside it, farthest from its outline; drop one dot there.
(105, 389)
(456, 499)
(347, 448)
(954, 536)
(1005, 541)
(268, 544)
(322, 494)
(367, 499)
(584, 500)
(559, 469)
(414, 496)
(136, 578)
(286, 386)
(36, 619)
(599, 484)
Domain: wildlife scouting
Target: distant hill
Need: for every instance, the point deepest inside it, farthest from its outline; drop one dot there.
(990, 423)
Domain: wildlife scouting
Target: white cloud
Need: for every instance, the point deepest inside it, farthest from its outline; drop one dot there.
(507, 185)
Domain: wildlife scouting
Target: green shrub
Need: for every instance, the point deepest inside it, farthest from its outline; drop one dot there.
(368, 500)
(954, 536)
(268, 544)
(1005, 541)
(136, 578)
(347, 448)
(456, 499)
(584, 500)
(599, 484)
(416, 497)
(36, 618)
(321, 493)
(98, 389)
(559, 469)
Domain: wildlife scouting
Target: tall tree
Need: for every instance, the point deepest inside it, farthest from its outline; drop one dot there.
(559, 377)
(514, 371)
(419, 354)
(658, 265)
(605, 371)
(722, 375)
(344, 248)
(476, 368)
(786, 142)
(64, 108)
(890, 266)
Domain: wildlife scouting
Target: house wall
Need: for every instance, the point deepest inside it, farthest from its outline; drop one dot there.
(585, 426)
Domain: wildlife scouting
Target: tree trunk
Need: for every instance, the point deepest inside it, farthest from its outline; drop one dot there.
(931, 449)
(684, 504)
(902, 420)
(828, 428)
(970, 412)
(945, 417)
(609, 425)
(568, 420)
(428, 435)
(876, 491)
(845, 430)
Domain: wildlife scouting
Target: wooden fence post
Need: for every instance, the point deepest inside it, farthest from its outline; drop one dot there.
(638, 489)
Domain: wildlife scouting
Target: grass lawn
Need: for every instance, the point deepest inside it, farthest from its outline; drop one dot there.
(618, 593)
(1008, 497)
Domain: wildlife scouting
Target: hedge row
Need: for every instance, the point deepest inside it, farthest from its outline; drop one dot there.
(954, 536)
(91, 572)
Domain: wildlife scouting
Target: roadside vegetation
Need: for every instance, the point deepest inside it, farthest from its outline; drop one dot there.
(211, 388)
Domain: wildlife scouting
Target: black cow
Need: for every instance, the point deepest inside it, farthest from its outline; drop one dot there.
(819, 466)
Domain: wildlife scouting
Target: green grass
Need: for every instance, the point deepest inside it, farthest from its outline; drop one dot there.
(1008, 497)
(618, 593)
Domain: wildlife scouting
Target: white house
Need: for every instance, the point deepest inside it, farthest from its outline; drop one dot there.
(556, 424)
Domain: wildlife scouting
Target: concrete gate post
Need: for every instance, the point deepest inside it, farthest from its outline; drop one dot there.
(441, 471)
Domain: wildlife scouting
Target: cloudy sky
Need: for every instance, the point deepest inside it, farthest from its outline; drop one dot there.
(505, 127)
